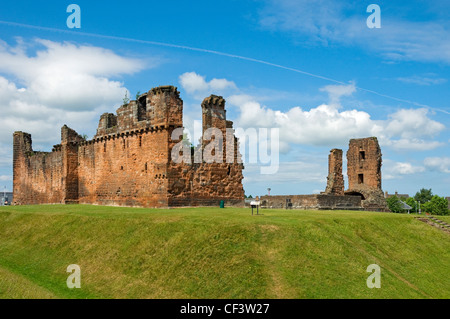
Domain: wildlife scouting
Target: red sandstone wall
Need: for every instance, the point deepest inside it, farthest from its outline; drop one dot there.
(126, 170)
(209, 183)
(369, 167)
(206, 184)
(321, 201)
(335, 179)
(38, 176)
(128, 163)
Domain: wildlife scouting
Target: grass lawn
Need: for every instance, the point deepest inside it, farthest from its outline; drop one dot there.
(218, 253)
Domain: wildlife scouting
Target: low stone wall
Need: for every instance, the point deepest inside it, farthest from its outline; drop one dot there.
(211, 202)
(319, 201)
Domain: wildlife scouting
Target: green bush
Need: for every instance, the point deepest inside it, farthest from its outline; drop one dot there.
(394, 204)
(436, 206)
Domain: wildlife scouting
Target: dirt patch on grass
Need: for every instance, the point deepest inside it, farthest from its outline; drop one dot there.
(270, 228)
(431, 223)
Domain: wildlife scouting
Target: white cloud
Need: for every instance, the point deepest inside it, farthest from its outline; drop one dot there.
(323, 125)
(338, 21)
(441, 164)
(407, 168)
(413, 144)
(396, 170)
(192, 82)
(65, 75)
(335, 92)
(422, 80)
(196, 84)
(326, 124)
(4, 178)
(61, 83)
(406, 129)
(288, 172)
(412, 123)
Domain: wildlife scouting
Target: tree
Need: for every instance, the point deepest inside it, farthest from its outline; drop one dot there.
(186, 140)
(126, 99)
(394, 204)
(437, 206)
(423, 196)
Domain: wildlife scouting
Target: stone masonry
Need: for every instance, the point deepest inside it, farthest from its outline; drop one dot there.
(335, 179)
(128, 162)
(315, 201)
(364, 172)
(364, 176)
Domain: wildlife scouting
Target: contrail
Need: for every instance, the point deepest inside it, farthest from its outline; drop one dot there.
(234, 56)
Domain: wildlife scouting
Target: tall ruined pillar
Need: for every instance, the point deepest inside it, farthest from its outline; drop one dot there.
(214, 117)
(69, 146)
(22, 145)
(164, 109)
(364, 172)
(335, 179)
(213, 112)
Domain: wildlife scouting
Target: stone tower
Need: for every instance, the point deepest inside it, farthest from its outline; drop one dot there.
(164, 106)
(335, 179)
(364, 172)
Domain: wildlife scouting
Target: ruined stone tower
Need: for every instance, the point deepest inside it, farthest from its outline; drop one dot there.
(128, 162)
(335, 179)
(364, 172)
(203, 181)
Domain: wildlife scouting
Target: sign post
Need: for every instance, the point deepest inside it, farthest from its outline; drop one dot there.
(255, 204)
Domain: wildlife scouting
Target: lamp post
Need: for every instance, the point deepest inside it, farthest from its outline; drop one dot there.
(420, 212)
(268, 191)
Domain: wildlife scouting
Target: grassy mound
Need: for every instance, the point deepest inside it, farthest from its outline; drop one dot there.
(218, 253)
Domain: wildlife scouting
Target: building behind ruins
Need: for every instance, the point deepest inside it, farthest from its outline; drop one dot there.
(128, 162)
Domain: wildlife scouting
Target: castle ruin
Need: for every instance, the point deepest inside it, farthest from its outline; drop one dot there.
(335, 179)
(128, 162)
(364, 178)
(364, 172)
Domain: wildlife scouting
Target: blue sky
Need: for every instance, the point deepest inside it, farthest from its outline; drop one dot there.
(338, 79)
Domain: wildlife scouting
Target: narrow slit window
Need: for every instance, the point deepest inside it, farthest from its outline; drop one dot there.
(362, 155)
(360, 178)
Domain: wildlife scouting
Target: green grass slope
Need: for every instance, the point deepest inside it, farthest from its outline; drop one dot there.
(218, 253)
